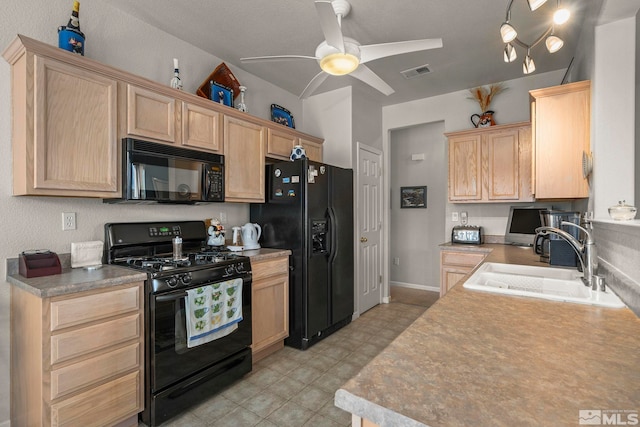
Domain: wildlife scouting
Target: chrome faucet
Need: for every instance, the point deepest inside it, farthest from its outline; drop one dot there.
(586, 252)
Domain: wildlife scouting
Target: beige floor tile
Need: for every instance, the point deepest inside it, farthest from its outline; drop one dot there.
(184, 420)
(321, 421)
(239, 417)
(286, 387)
(329, 382)
(264, 403)
(290, 415)
(304, 374)
(241, 391)
(263, 377)
(214, 408)
(321, 362)
(312, 398)
(331, 411)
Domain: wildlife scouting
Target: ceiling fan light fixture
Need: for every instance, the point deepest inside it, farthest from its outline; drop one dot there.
(507, 32)
(535, 4)
(553, 43)
(510, 54)
(339, 64)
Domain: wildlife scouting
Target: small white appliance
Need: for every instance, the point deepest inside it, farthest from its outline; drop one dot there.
(250, 235)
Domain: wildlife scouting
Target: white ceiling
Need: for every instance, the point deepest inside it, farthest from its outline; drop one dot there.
(471, 53)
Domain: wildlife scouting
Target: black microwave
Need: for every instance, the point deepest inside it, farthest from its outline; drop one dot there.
(153, 172)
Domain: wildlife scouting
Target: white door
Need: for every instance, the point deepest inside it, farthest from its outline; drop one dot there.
(368, 223)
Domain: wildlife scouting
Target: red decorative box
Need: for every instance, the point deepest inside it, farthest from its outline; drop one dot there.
(39, 264)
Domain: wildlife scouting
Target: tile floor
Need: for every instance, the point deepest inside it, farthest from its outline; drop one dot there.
(296, 388)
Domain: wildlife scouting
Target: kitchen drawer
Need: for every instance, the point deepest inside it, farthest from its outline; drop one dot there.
(74, 311)
(270, 267)
(462, 258)
(107, 404)
(82, 341)
(94, 370)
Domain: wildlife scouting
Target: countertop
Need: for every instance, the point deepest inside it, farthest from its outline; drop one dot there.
(481, 359)
(73, 280)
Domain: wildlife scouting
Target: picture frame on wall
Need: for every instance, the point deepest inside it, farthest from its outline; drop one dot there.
(413, 197)
(221, 94)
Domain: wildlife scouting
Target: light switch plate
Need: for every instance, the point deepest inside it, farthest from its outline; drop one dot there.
(86, 254)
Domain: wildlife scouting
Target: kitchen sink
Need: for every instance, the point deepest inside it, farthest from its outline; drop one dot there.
(551, 283)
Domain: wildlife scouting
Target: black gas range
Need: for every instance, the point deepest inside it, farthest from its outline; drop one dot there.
(179, 374)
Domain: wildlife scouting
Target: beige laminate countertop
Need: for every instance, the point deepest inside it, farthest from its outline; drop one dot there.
(73, 280)
(481, 359)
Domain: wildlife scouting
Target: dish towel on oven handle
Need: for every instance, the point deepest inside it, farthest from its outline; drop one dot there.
(213, 311)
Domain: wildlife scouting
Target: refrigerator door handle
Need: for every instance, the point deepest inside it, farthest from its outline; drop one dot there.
(333, 238)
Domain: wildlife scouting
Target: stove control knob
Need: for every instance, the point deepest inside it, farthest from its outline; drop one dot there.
(240, 268)
(172, 281)
(186, 278)
(228, 270)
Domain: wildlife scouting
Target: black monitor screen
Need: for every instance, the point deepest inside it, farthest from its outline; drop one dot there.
(525, 221)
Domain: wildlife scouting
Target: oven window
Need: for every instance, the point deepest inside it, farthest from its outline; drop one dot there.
(170, 358)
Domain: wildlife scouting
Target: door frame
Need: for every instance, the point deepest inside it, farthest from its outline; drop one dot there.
(356, 230)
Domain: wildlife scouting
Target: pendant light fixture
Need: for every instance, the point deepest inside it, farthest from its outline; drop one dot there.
(509, 35)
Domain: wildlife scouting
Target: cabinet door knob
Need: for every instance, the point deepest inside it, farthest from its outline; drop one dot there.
(363, 239)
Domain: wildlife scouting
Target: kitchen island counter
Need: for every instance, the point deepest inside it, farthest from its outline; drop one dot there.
(485, 359)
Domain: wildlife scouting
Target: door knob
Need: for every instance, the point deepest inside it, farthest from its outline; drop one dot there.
(363, 239)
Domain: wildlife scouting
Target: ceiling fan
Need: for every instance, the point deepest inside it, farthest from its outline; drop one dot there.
(339, 55)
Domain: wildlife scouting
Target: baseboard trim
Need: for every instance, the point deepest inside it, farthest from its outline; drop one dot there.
(414, 286)
(5, 423)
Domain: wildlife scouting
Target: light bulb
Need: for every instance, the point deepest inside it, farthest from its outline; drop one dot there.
(510, 54)
(554, 43)
(528, 66)
(534, 4)
(339, 64)
(561, 16)
(507, 32)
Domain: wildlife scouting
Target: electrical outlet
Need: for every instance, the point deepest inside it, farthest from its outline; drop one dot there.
(68, 221)
(223, 217)
(396, 261)
(454, 216)
(463, 217)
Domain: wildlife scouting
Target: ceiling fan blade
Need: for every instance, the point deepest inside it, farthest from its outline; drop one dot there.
(314, 84)
(329, 24)
(365, 74)
(375, 51)
(276, 58)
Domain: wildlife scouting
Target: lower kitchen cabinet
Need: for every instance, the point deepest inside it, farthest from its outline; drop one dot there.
(270, 305)
(454, 265)
(77, 359)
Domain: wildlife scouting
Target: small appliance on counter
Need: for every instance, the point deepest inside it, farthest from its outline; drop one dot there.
(38, 263)
(468, 234)
(250, 235)
(553, 248)
(236, 240)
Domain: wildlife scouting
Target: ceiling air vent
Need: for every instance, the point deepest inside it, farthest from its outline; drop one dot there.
(417, 71)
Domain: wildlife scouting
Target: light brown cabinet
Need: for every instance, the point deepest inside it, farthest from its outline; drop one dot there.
(244, 144)
(560, 117)
(281, 141)
(201, 127)
(456, 264)
(270, 305)
(490, 164)
(150, 114)
(77, 359)
(64, 126)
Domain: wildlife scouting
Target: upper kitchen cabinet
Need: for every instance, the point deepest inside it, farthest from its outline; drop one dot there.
(490, 165)
(150, 114)
(201, 127)
(244, 149)
(560, 117)
(64, 123)
(281, 141)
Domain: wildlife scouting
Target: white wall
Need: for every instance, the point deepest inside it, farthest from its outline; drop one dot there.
(118, 40)
(613, 105)
(328, 115)
(416, 233)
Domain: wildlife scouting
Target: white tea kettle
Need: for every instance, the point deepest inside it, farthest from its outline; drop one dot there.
(250, 235)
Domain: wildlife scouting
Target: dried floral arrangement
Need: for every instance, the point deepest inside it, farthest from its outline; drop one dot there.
(484, 96)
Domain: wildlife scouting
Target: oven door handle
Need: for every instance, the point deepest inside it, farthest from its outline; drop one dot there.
(164, 298)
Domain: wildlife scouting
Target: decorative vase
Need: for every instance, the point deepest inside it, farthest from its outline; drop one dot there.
(483, 120)
(297, 153)
(241, 105)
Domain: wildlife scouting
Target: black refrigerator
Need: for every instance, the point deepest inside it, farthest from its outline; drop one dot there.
(309, 210)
